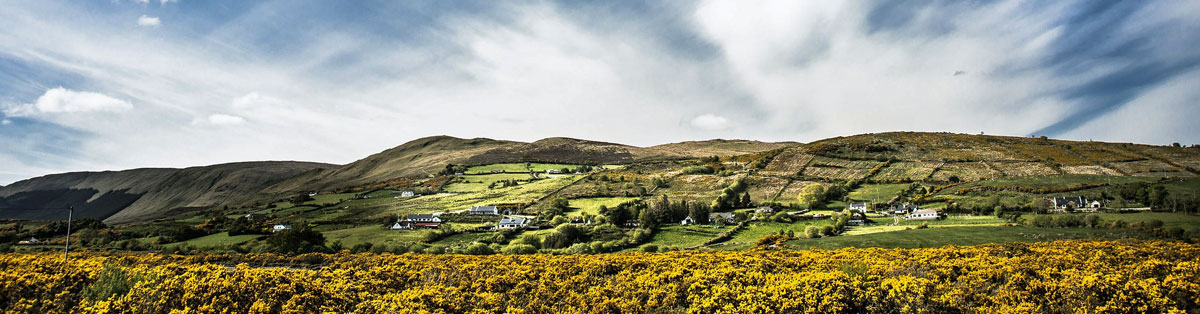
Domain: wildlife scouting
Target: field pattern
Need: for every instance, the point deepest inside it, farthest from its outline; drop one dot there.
(1054, 277)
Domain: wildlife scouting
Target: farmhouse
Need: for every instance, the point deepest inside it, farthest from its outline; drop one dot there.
(687, 221)
(903, 209)
(552, 171)
(726, 218)
(255, 217)
(764, 210)
(281, 227)
(423, 218)
(30, 241)
(857, 206)
(1062, 203)
(407, 194)
(402, 225)
(922, 214)
(512, 223)
(483, 211)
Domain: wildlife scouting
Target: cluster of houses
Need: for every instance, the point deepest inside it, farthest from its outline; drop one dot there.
(1078, 203)
(433, 221)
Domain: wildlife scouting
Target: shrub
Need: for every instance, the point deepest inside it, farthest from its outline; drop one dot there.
(519, 249)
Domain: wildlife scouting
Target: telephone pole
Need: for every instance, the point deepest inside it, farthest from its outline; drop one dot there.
(67, 248)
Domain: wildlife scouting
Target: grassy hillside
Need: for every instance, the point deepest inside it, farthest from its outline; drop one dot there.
(142, 194)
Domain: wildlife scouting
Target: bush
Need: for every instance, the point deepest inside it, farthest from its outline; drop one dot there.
(478, 248)
(705, 169)
(519, 249)
(649, 248)
(812, 232)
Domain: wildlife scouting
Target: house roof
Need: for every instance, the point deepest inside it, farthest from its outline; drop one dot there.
(925, 211)
(517, 221)
(483, 208)
(722, 215)
(421, 216)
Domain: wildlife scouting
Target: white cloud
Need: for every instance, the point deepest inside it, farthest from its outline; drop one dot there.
(164, 2)
(710, 122)
(148, 21)
(224, 119)
(5, 122)
(62, 100)
(141, 1)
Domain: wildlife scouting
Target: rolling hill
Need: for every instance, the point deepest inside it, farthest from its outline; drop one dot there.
(142, 194)
(145, 194)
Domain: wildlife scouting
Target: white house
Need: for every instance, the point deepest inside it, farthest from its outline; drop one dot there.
(281, 227)
(857, 206)
(407, 194)
(903, 209)
(483, 211)
(922, 214)
(687, 221)
(402, 225)
(1061, 203)
(764, 209)
(512, 223)
(720, 218)
(30, 241)
(423, 218)
(552, 171)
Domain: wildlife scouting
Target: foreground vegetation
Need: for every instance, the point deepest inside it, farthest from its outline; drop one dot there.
(1053, 277)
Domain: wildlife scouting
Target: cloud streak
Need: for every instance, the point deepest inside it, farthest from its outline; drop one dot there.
(244, 81)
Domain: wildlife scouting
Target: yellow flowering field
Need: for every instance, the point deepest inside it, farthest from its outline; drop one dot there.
(1051, 277)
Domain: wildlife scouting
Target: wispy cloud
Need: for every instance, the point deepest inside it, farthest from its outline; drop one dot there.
(246, 81)
(148, 21)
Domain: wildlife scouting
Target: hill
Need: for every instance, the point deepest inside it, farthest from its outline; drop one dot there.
(920, 156)
(141, 194)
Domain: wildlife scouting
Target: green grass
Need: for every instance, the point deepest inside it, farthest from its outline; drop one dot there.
(217, 239)
(516, 167)
(375, 234)
(685, 236)
(885, 224)
(592, 205)
(1186, 221)
(479, 183)
(877, 192)
(1050, 181)
(975, 235)
(754, 231)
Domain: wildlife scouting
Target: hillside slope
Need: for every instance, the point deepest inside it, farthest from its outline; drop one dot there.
(947, 156)
(141, 194)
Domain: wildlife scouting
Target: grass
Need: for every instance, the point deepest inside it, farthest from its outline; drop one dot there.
(877, 192)
(685, 236)
(884, 224)
(754, 231)
(374, 234)
(517, 167)
(975, 235)
(592, 205)
(217, 239)
(1170, 220)
(479, 183)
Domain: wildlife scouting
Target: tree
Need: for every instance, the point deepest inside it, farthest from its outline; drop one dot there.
(297, 240)
(745, 200)
(811, 195)
(998, 211)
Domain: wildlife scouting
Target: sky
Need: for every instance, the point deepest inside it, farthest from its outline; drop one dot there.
(109, 85)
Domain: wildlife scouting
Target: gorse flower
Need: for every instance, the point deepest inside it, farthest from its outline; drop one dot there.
(1058, 277)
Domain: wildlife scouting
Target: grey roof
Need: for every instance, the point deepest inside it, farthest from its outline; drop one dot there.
(483, 208)
(518, 221)
(420, 216)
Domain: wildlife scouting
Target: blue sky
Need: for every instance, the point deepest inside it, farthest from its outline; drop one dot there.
(104, 85)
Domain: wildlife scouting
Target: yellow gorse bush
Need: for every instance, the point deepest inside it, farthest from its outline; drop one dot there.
(1052, 277)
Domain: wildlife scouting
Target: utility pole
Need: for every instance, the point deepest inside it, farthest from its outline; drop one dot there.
(67, 248)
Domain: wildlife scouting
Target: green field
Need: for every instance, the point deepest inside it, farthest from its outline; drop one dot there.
(754, 231)
(937, 237)
(1186, 221)
(479, 183)
(376, 234)
(217, 239)
(685, 236)
(592, 205)
(516, 167)
(878, 193)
